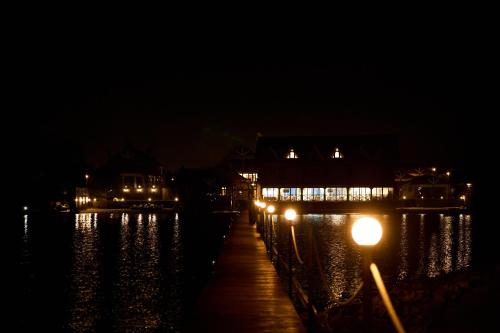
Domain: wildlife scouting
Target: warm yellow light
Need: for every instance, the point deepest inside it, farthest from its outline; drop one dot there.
(139, 186)
(153, 190)
(290, 214)
(149, 199)
(469, 185)
(154, 186)
(404, 197)
(462, 197)
(448, 173)
(263, 205)
(176, 199)
(257, 203)
(95, 199)
(139, 189)
(86, 176)
(123, 199)
(366, 231)
(126, 190)
(270, 209)
(433, 169)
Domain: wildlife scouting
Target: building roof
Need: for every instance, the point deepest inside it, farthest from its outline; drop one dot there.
(366, 147)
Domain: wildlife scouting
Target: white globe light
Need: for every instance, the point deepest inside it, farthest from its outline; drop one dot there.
(366, 231)
(290, 214)
(270, 209)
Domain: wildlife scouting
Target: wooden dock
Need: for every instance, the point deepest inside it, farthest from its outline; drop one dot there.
(245, 294)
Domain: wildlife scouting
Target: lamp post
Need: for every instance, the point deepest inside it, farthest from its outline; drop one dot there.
(367, 232)
(290, 215)
(263, 221)
(87, 180)
(270, 211)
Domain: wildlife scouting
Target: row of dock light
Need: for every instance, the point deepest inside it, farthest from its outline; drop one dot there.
(366, 232)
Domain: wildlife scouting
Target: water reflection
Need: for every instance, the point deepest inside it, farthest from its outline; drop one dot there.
(432, 264)
(112, 272)
(423, 246)
(25, 236)
(403, 265)
(446, 246)
(136, 291)
(464, 242)
(86, 273)
(336, 267)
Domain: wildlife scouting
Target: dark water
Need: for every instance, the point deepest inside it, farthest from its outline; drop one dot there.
(141, 272)
(112, 272)
(413, 247)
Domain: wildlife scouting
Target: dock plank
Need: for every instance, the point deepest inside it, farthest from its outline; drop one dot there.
(245, 294)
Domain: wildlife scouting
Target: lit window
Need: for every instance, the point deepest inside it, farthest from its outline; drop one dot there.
(382, 193)
(270, 193)
(359, 194)
(223, 191)
(313, 194)
(290, 194)
(292, 154)
(250, 176)
(337, 154)
(336, 194)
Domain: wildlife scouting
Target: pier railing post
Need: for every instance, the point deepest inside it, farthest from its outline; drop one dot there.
(290, 215)
(290, 262)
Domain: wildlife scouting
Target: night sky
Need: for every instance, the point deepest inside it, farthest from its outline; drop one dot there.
(191, 108)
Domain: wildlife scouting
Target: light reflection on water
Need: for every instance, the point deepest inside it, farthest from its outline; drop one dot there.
(86, 274)
(134, 285)
(403, 265)
(137, 294)
(464, 241)
(414, 246)
(113, 272)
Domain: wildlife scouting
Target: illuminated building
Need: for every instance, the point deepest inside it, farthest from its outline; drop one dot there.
(321, 173)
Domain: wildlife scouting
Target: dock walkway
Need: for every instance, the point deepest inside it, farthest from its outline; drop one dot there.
(245, 294)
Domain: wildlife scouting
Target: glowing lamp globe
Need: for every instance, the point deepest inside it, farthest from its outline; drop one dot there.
(290, 214)
(263, 205)
(366, 231)
(270, 209)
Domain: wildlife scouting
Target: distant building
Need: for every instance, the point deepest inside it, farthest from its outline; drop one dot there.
(220, 187)
(131, 175)
(327, 172)
(431, 187)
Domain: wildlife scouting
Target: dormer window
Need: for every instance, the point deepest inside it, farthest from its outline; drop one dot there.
(337, 153)
(292, 154)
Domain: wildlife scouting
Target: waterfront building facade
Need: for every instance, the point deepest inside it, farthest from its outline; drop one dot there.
(327, 172)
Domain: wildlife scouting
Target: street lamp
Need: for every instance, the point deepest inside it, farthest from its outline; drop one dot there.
(270, 209)
(367, 232)
(290, 215)
(87, 180)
